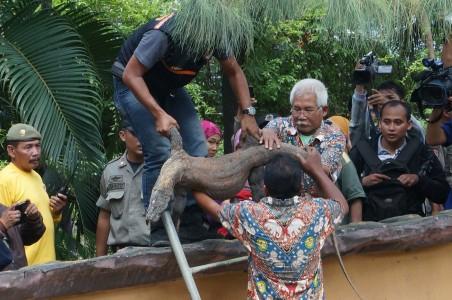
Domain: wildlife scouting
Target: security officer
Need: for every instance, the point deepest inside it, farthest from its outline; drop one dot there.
(121, 221)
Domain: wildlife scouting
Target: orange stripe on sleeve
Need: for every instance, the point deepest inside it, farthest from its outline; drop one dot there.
(162, 21)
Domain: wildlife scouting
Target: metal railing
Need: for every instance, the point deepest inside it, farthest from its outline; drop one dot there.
(185, 269)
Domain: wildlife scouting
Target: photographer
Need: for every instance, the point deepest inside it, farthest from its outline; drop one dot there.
(16, 233)
(365, 112)
(439, 128)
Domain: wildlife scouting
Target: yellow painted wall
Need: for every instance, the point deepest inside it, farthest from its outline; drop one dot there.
(222, 286)
(422, 274)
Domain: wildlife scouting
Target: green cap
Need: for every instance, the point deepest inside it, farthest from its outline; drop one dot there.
(21, 133)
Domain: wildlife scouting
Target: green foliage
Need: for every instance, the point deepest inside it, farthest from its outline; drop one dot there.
(400, 25)
(99, 38)
(199, 95)
(102, 42)
(74, 245)
(263, 11)
(205, 25)
(3, 163)
(293, 50)
(206, 92)
(227, 26)
(50, 77)
(37, 71)
(74, 237)
(230, 25)
(127, 15)
(412, 68)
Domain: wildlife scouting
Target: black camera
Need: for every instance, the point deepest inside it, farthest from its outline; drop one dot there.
(22, 206)
(371, 68)
(434, 85)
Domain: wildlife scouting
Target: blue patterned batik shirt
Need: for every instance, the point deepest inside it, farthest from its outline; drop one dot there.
(284, 239)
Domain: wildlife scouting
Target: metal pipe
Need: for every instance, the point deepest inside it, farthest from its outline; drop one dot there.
(218, 264)
(180, 256)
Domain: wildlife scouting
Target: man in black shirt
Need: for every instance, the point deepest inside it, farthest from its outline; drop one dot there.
(150, 73)
(397, 172)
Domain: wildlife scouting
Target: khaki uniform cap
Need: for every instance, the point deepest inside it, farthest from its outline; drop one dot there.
(21, 133)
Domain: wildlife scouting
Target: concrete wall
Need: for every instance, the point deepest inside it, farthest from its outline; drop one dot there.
(421, 274)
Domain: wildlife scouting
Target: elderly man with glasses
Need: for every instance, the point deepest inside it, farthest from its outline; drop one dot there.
(305, 127)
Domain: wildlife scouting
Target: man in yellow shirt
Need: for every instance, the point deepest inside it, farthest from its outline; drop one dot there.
(19, 181)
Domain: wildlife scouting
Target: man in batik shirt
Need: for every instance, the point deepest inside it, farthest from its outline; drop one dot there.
(284, 232)
(305, 127)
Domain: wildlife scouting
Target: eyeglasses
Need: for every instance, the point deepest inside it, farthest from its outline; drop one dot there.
(306, 111)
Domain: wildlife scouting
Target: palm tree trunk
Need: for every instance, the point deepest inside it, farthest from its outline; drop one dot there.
(229, 110)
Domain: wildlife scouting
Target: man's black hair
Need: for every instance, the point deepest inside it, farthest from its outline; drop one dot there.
(283, 176)
(394, 86)
(394, 103)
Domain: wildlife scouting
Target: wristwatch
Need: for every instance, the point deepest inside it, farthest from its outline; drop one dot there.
(249, 111)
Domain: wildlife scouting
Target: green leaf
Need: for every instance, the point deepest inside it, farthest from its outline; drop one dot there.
(100, 39)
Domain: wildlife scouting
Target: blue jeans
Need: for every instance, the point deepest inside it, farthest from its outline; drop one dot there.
(156, 148)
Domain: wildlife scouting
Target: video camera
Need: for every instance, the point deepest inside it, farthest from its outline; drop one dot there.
(371, 68)
(435, 85)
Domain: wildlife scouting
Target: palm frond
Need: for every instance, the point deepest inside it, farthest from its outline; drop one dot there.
(86, 187)
(263, 11)
(13, 8)
(204, 25)
(398, 24)
(230, 25)
(100, 39)
(50, 79)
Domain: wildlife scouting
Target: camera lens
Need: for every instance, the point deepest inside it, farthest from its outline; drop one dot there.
(433, 95)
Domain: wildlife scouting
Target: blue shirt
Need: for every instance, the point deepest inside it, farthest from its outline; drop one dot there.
(447, 127)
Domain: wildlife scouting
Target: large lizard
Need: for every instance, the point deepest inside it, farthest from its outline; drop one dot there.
(220, 177)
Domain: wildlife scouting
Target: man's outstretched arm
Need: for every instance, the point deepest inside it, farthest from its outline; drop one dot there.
(312, 165)
(239, 85)
(209, 205)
